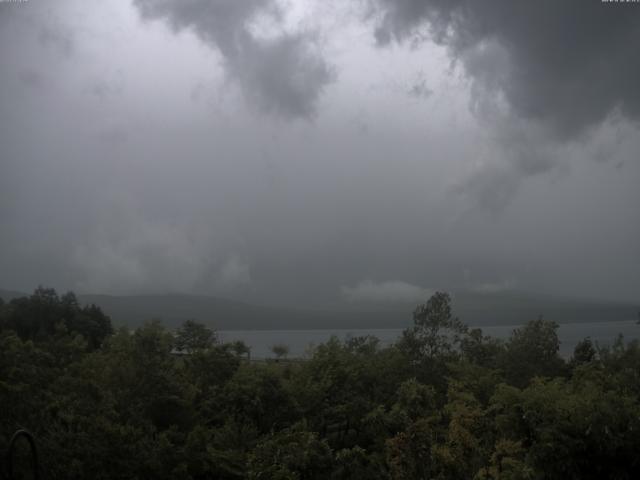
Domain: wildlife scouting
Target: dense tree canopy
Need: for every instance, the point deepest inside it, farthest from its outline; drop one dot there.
(41, 314)
(193, 336)
(445, 402)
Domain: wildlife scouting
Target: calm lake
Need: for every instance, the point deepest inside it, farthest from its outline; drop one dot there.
(300, 341)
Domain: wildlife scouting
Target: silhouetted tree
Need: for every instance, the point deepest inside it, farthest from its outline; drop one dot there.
(193, 336)
(280, 350)
(533, 351)
(584, 352)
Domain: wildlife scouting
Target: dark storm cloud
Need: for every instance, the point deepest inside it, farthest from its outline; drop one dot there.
(569, 64)
(284, 75)
(543, 74)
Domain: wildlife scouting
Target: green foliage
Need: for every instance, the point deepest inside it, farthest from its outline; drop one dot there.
(193, 336)
(280, 350)
(291, 454)
(480, 349)
(621, 362)
(39, 316)
(444, 403)
(256, 394)
(572, 429)
(583, 353)
(436, 333)
(533, 351)
(240, 349)
(506, 463)
(356, 464)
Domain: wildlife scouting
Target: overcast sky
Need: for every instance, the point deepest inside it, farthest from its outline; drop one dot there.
(313, 152)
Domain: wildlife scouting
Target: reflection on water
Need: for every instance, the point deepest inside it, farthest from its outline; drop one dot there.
(299, 341)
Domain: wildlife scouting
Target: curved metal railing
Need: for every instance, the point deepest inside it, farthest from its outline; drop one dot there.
(8, 474)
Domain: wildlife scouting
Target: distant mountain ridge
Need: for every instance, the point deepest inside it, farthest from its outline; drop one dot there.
(474, 309)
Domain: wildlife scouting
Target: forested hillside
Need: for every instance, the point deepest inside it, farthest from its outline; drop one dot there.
(444, 402)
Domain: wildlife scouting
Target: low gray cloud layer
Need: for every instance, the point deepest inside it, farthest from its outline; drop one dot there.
(386, 291)
(143, 149)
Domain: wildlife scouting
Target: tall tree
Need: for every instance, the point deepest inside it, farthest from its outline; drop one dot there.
(193, 336)
(533, 351)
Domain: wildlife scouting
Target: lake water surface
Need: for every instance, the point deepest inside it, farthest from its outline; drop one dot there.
(300, 341)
